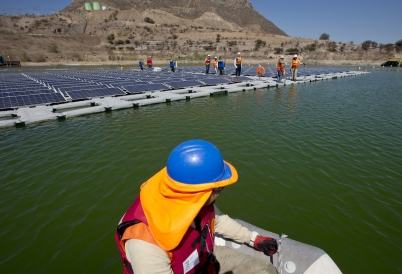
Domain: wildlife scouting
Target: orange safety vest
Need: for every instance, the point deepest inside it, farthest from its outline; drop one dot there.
(295, 62)
(238, 60)
(215, 63)
(207, 61)
(279, 66)
(260, 71)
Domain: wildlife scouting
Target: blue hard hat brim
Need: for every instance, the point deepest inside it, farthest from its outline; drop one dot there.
(226, 174)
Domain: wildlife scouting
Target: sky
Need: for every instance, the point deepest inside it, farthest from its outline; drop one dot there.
(344, 20)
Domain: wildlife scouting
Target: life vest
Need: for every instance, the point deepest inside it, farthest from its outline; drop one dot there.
(191, 255)
(238, 60)
(140, 63)
(207, 61)
(149, 62)
(221, 64)
(295, 62)
(279, 66)
(172, 64)
(260, 71)
(215, 63)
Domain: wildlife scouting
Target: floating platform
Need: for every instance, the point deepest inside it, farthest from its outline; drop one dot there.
(29, 98)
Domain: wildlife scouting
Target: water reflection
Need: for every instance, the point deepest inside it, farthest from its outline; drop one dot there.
(292, 97)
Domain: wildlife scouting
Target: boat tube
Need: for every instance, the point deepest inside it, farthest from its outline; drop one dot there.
(296, 257)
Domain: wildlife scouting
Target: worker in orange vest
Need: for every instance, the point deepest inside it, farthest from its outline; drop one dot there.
(216, 65)
(294, 66)
(207, 63)
(260, 71)
(238, 64)
(280, 67)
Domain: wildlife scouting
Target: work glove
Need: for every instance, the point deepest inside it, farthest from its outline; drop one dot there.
(266, 244)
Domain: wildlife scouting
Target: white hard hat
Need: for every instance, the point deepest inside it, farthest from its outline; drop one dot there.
(282, 57)
(216, 57)
(150, 56)
(209, 55)
(295, 55)
(238, 53)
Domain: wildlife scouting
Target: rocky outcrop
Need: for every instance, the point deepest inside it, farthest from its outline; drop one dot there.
(239, 12)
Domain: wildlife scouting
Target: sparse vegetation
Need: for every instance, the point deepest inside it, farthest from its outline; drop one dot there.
(149, 20)
(292, 51)
(53, 48)
(25, 57)
(278, 50)
(40, 58)
(259, 43)
(324, 36)
(76, 57)
(311, 47)
(332, 47)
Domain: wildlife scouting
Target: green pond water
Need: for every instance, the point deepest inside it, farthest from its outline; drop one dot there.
(320, 162)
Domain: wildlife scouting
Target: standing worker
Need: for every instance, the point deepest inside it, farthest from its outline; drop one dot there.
(207, 63)
(280, 67)
(260, 71)
(238, 64)
(149, 62)
(141, 64)
(221, 67)
(173, 65)
(216, 65)
(170, 227)
(294, 66)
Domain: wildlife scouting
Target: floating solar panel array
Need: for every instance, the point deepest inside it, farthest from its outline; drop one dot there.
(17, 90)
(31, 89)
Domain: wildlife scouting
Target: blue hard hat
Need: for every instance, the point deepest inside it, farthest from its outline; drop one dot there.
(197, 162)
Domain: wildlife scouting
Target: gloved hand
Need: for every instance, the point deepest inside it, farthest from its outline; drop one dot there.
(266, 244)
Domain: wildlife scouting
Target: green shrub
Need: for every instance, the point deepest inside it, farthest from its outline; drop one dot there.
(292, 51)
(324, 36)
(149, 20)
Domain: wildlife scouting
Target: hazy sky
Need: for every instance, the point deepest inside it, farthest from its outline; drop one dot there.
(343, 20)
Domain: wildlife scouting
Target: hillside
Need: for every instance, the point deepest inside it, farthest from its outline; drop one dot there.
(184, 30)
(239, 12)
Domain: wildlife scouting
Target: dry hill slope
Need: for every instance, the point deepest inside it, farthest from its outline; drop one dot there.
(239, 12)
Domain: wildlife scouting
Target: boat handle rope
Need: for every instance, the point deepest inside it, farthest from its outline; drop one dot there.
(279, 242)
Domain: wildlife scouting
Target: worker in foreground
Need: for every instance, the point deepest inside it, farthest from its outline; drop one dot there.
(171, 226)
(295, 66)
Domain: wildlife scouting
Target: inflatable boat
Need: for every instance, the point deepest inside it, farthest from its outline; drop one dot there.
(292, 256)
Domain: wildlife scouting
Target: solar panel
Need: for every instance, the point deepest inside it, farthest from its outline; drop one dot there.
(100, 92)
(215, 81)
(184, 84)
(144, 88)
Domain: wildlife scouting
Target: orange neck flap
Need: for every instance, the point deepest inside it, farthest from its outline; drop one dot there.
(170, 206)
